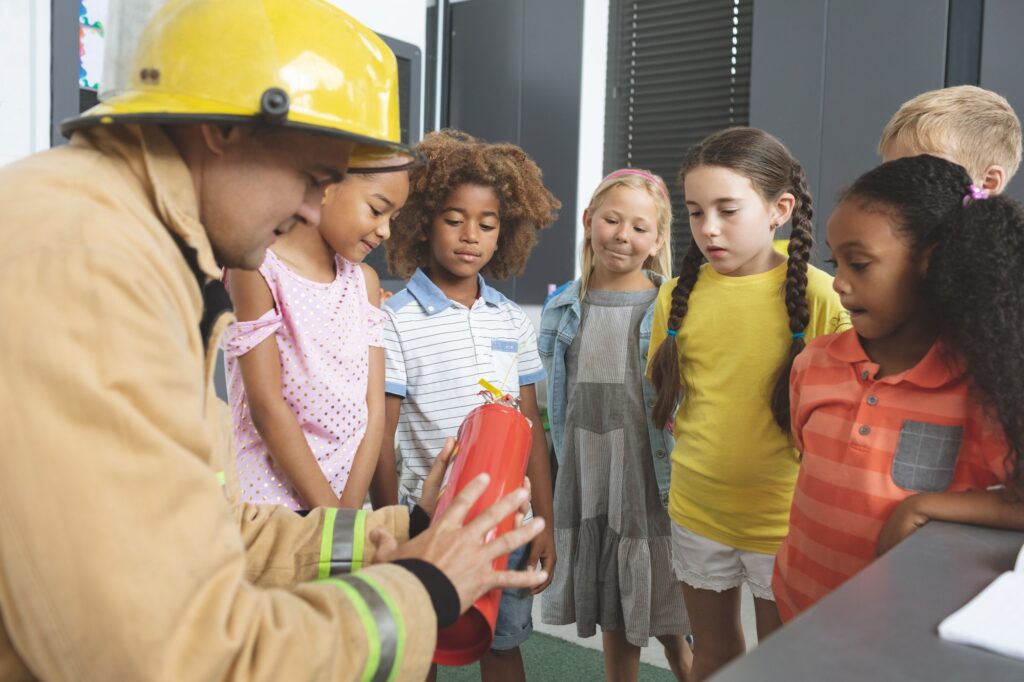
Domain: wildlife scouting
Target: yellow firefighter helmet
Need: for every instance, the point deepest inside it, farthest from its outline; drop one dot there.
(299, 64)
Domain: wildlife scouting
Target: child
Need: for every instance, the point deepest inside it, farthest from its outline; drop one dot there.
(728, 331)
(611, 529)
(965, 124)
(474, 208)
(915, 412)
(306, 350)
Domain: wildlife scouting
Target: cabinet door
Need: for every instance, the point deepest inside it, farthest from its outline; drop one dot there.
(514, 76)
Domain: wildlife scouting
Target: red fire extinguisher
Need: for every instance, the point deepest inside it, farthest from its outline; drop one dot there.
(494, 439)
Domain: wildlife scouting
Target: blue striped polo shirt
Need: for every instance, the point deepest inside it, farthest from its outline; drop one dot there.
(436, 350)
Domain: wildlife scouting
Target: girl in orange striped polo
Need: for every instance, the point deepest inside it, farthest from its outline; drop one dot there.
(914, 414)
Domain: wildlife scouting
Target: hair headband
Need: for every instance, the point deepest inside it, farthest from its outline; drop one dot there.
(642, 174)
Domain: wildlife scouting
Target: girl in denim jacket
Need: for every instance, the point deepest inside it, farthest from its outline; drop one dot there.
(612, 533)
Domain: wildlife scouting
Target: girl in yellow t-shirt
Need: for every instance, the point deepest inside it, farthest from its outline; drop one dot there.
(726, 332)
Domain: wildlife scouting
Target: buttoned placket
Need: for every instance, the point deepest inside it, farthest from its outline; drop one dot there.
(861, 426)
(478, 350)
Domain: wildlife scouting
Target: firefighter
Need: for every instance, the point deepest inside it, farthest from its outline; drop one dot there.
(124, 552)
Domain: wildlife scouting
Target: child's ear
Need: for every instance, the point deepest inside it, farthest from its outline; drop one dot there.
(925, 258)
(994, 179)
(658, 244)
(586, 223)
(782, 209)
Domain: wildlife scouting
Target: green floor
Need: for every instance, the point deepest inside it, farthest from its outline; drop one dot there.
(550, 658)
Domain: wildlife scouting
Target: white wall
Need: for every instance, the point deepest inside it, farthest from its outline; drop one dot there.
(404, 20)
(592, 103)
(25, 75)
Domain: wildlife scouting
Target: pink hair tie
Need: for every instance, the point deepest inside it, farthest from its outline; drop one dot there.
(976, 194)
(642, 174)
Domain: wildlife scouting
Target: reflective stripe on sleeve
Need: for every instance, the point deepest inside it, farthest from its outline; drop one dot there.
(382, 622)
(341, 545)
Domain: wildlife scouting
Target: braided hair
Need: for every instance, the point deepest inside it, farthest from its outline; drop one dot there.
(973, 289)
(765, 161)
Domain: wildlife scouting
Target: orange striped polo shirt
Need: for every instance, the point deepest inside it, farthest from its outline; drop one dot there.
(866, 445)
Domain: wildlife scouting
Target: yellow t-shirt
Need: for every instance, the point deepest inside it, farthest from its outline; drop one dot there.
(733, 468)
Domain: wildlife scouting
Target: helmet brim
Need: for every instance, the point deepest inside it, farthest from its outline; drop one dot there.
(130, 110)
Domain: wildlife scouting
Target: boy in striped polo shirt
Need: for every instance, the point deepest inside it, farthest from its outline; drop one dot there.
(473, 208)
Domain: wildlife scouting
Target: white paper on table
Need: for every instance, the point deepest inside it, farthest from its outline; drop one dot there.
(993, 620)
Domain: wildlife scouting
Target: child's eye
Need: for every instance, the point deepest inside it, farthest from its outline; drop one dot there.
(454, 222)
(696, 214)
(640, 228)
(488, 228)
(859, 267)
(375, 212)
(730, 211)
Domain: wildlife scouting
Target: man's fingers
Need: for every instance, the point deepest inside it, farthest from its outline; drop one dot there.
(493, 515)
(519, 579)
(441, 461)
(447, 449)
(514, 538)
(440, 464)
(464, 501)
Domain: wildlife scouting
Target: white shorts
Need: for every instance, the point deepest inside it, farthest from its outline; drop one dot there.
(708, 565)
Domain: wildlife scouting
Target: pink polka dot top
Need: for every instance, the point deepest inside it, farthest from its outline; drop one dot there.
(323, 332)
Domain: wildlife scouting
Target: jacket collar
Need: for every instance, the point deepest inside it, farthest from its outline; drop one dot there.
(569, 293)
(433, 300)
(153, 159)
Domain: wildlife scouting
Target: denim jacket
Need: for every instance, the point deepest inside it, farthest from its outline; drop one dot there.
(559, 323)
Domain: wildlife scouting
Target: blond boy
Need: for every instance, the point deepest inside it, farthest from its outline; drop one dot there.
(965, 124)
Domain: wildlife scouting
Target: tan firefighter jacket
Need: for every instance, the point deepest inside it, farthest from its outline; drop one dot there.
(124, 552)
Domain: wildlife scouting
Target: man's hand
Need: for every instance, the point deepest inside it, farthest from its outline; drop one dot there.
(432, 484)
(904, 520)
(463, 553)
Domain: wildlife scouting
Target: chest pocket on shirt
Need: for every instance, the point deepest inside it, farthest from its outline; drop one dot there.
(504, 354)
(926, 456)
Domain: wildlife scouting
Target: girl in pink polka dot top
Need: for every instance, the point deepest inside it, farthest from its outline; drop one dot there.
(304, 361)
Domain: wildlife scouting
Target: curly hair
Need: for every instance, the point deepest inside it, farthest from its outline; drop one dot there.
(454, 158)
(765, 161)
(973, 288)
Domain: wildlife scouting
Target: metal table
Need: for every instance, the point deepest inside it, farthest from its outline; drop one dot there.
(883, 623)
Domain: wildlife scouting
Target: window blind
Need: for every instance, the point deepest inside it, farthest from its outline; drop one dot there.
(678, 70)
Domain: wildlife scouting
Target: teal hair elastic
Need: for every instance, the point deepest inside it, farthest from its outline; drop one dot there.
(671, 332)
(798, 335)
